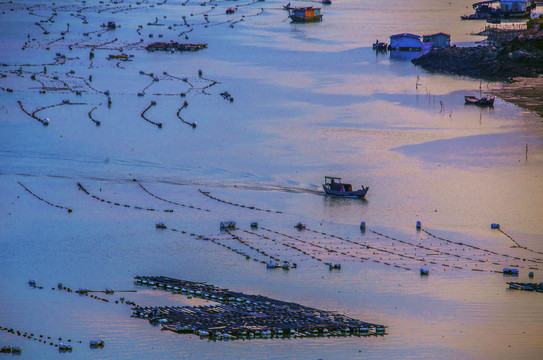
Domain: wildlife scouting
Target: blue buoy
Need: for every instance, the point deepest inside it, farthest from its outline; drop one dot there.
(514, 271)
(419, 225)
(494, 226)
(363, 225)
(531, 274)
(424, 271)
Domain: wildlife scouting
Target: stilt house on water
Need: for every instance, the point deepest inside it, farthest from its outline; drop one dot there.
(406, 42)
(501, 8)
(516, 8)
(439, 40)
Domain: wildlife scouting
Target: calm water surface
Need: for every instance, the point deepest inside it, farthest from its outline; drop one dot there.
(309, 100)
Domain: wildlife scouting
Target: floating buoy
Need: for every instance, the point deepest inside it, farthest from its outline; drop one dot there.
(531, 274)
(419, 225)
(161, 225)
(494, 226)
(228, 224)
(299, 226)
(96, 343)
(424, 271)
(32, 282)
(64, 347)
(254, 224)
(363, 225)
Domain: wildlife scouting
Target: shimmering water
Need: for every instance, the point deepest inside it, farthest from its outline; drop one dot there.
(309, 100)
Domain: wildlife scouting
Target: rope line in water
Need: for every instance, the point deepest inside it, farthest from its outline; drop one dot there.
(407, 256)
(520, 246)
(185, 104)
(206, 193)
(481, 249)
(216, 242)
(45, 201)
(262, 252)
(441, 252)
(153, 103)
(362, 258)
(93, 119)
(449, 254)
(118, 204)
(169, 201)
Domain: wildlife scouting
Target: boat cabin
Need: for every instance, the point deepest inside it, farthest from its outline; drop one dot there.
(406, 42)
(335, 184)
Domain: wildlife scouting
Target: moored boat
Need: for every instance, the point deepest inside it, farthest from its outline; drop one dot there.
(305, 14)
(379, 46)
(483, 101)
(333, 186)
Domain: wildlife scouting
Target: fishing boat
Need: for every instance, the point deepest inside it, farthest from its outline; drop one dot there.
(379, 46)
(483, 101)
(333, 186)
(475, 17)
(305, 14)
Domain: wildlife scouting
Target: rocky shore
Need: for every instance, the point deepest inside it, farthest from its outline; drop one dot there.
(519, 57)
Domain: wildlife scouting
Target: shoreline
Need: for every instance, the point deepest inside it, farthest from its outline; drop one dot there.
(523, 92)
(511, 56)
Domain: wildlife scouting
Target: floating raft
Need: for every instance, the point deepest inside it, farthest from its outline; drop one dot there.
(240, 316)
(526, 286)
(174, 46)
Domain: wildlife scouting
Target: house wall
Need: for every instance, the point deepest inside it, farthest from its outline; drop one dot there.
(515, 5)
(405, 42)
(441, 41)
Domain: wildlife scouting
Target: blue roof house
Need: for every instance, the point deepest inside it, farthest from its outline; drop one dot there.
(405, 41)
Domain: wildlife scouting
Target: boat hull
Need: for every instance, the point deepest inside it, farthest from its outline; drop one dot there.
(472, 100)
(358, 193)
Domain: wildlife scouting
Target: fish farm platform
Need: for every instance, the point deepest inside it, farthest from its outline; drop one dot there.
(240, 316)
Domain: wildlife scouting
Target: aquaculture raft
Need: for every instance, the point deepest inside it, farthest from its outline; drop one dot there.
(526, 286)
(174, 46)
(240, 316)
